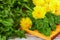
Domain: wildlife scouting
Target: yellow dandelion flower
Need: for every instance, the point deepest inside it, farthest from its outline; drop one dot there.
(57, 12)
(39, 12)
(46, 6)
(58, 4)
(53, 6)
(25, 23)
(48, 1)
(38, 2)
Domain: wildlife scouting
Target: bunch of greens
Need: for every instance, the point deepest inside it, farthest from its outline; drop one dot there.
(10, 13)
(47, 24)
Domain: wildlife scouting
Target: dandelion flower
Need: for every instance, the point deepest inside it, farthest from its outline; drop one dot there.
(39, 12)
(47, 1)
(38, 2)
(53, 6)
(25, 23)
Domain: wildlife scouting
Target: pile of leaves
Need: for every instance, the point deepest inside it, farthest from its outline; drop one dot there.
(10, 13)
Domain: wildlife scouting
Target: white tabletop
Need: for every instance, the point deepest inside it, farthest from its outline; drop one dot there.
(30, 37)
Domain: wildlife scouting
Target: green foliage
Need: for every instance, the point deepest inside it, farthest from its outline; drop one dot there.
(51, 20)
(10, 13)
(47, 24)
(57, 19)
(2, 37)
(43, 26)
